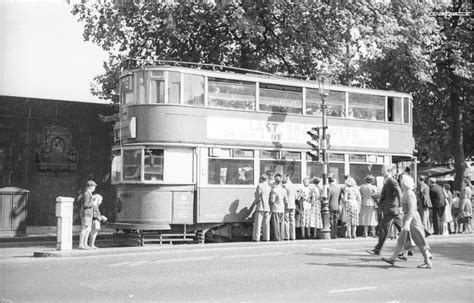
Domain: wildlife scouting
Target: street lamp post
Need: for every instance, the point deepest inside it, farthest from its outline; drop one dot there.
(324, 82)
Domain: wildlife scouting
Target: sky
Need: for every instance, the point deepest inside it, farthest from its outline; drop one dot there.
(43, 53)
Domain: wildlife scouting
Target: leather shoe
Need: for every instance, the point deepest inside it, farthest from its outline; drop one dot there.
(373, 252)
(389, 261)
(425, 265)
(402, 257)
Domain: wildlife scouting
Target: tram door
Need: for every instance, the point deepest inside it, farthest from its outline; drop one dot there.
(179, 169)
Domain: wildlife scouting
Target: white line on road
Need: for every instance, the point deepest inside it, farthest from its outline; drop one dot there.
(121, 264)
(253, 255)
(138, 263)
(351, 289)
(182, 260)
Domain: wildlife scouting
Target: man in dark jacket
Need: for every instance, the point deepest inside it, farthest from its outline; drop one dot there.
(335, 206)
(390, 203)
(438, 201)
(424, 202)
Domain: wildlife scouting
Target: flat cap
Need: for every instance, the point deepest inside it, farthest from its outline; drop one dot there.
(91, 183)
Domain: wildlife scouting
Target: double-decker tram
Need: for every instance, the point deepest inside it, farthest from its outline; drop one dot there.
(191, 143)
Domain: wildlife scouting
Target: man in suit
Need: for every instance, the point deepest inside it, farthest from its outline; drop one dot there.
(289, 219)
(261, 223)
(390, 198)
(438, 201)
(335, 205)
(424, 202)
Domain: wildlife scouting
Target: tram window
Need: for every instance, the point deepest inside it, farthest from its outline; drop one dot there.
(314, 169)
(272, 167)
(157, 88)
(357, 158)
(281, 99)
(291, 155)
(126, 90)
(116, 166)
(336, 157)
(394, 109)
(273, 154)
(243, 153)
(406, 110)
(193, 90)
(132, 160)
(174, 89)
(336, 102)
(141, 87)
(313, 102)
(367, 107)
(231, 171)
(231, 94)
(360, 171)
(154, 164)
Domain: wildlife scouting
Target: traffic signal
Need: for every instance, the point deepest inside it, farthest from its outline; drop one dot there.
(314, 143)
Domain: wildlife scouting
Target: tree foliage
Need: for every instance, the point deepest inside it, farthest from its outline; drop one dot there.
(398, 46)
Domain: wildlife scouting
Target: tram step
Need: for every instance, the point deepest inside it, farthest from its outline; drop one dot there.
(139, 239)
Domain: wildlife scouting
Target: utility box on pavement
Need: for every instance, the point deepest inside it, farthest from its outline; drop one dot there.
(64, 207)
(13, 210)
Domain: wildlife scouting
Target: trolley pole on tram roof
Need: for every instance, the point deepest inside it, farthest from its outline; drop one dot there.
(324, 82)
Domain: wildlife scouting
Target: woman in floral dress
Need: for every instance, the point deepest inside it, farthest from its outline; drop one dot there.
(352, 201)
(304, 207)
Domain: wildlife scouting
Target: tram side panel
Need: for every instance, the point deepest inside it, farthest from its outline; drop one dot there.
(148, 207)
(230, 207)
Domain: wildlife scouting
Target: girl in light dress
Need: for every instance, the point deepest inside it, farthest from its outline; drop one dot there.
(315, 219)
(447, 215)
(352, 200)
(465, 206)
(96, 219)
(368, 212)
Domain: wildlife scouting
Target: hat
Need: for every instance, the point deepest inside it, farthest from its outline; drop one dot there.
(369, 179)
(91, 183)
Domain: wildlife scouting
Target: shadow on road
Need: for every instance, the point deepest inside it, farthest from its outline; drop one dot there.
(453, 251)
(380, 264)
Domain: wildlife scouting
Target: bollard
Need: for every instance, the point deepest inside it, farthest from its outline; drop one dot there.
(64, 207)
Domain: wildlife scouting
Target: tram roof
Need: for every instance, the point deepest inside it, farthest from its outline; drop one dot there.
(257, 76)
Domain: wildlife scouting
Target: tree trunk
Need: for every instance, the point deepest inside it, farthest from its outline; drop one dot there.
(457, 139)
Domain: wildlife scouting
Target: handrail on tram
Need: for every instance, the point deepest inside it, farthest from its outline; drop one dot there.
(208, 65)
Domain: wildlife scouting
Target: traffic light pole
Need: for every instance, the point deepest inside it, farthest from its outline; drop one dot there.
(325, 233)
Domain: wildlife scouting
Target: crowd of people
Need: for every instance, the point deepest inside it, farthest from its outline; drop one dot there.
(287, 211)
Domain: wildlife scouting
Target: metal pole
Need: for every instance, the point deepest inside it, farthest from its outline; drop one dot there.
(325, 233)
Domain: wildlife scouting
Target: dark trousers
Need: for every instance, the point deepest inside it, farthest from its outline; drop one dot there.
(437, 216)
(384, 227)
(333, 220)
(276, 226)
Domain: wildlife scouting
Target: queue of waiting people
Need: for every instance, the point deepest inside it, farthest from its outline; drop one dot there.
(285, 211)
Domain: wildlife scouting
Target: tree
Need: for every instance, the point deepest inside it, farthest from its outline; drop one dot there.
(454, 78)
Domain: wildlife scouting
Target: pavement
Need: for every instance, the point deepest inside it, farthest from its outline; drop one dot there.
(40, 241)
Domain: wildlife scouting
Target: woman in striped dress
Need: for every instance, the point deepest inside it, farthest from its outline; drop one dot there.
(316, 221)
